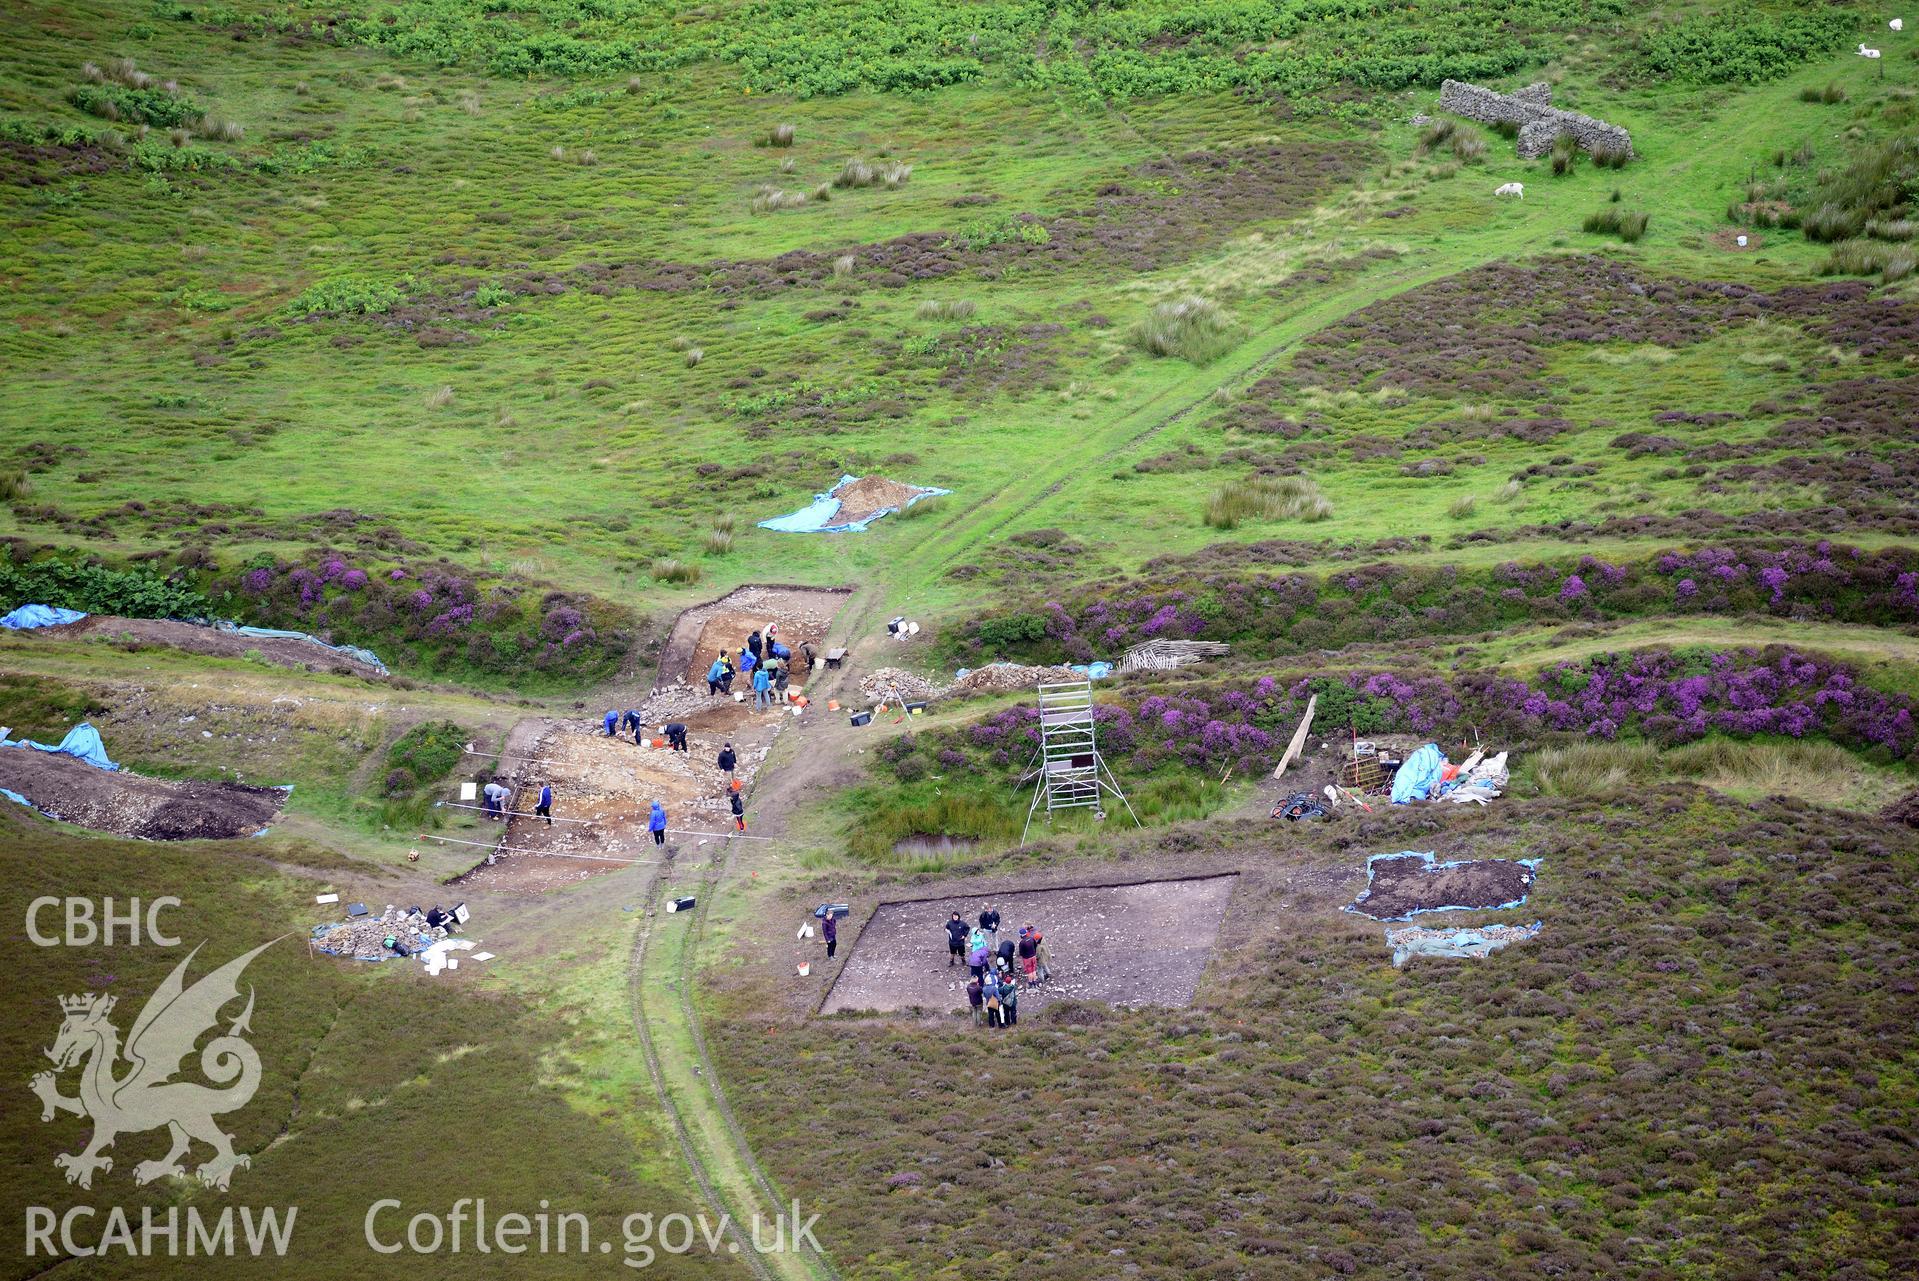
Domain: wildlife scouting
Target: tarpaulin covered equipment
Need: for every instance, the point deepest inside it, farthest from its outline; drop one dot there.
(82, 742)
(31, 616)
(1418, 776)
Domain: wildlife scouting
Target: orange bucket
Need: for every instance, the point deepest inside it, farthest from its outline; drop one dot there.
(832, 704)
(799, 700)
(659, 742)
(736, 784)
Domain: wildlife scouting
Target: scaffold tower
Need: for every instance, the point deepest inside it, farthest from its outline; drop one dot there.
(1067, 770)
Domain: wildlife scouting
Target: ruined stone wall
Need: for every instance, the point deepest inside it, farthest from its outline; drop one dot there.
(1539, 121)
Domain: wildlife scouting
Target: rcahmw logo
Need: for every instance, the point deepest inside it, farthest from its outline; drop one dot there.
(129, 1088)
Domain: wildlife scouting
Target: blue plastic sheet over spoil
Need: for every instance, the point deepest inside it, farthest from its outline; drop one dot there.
(1414, 780)
(1433, 866)
(82, 743)
(1411, 940)
(819, 516)
(366, 656)
(31, 616)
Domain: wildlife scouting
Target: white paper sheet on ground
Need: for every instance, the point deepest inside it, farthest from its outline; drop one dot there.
(468, 791)
(481, 956)
(326, 898)
(435, 957)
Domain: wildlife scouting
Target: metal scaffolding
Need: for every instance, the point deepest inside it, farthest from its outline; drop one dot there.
(1067, 770)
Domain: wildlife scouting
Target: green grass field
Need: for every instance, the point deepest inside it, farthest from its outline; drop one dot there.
(484, 335)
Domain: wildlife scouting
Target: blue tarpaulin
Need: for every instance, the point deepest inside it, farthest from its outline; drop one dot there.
(30, 616)
(1434, 865)
(818, 516)
(366, 656)
(1414, 941)
(82, 743)
(1416, 778)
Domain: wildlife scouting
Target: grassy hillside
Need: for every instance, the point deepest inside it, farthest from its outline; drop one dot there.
(553, 326)
(482, 334)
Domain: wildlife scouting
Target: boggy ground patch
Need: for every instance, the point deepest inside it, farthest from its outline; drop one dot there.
(153, 809)
(1128, 945)
(1399, 886)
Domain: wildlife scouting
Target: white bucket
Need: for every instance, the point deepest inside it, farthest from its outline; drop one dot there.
(806, 968)
(739, 696)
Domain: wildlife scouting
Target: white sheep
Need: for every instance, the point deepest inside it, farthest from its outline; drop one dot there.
(1868, 53)
(1512, 189)
(1897, 24)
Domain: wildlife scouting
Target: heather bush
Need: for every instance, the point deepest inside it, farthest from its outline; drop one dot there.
(1664, 696)
(1271, 614)
(436, 616)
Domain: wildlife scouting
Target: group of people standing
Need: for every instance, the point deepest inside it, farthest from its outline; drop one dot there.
(764, 661)
(999, 966)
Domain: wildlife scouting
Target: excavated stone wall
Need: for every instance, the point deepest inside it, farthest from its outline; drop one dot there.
(1539, 121)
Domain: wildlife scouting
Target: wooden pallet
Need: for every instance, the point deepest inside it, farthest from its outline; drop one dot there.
(1365, 774)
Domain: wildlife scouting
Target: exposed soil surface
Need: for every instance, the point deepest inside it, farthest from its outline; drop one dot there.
(869, 494)
(1128, 945)
(612, 782)
(196, 639)
(803, 614)
(1404, 886)
(152, 809)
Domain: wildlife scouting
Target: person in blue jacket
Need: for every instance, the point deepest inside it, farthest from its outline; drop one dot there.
(612, 721)
(545, 808)
(656, 823)
(715, 675)
(762, 696)
(748, 661)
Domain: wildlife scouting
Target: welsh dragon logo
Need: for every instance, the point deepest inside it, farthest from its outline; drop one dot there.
(144, 1096)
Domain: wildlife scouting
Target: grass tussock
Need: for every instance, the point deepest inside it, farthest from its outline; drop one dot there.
(1750, 770)
(780, 136)
(1462, 507)
(1589, 770)
(439, 398)
(769, 199)
(1266, 498)
(1891, 263)
(1628, 225)
(14, 485)
(844, 264)
(940, 309)
(1564, 155)
(862, 173)
(693, 356)
(1831, 93)
(1193, 328)
(667, 569)
(924, 507)
(1880, 185)
(1610, 157)
(718, 542)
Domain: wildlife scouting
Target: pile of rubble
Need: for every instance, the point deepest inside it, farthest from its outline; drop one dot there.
(895, 682)
(1007, 677)
(365, 939)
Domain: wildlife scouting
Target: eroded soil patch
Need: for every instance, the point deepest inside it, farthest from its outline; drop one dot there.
(1406, 884)
(152, 809)
(1127, 945)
